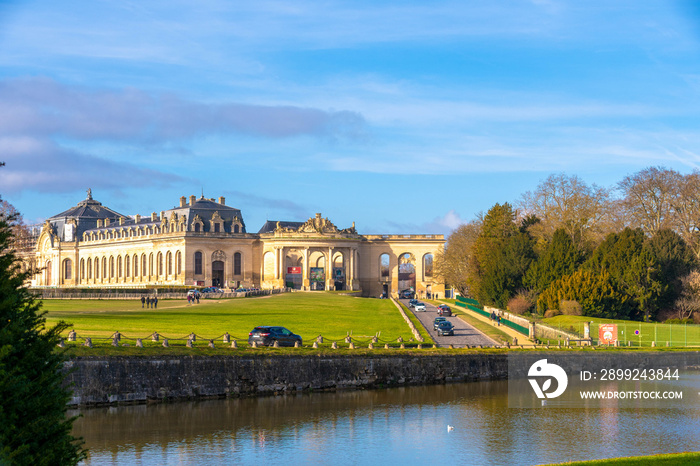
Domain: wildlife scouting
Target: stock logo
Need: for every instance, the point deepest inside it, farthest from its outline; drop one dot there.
(544, 372)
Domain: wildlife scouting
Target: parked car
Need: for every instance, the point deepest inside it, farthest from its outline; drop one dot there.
(445, 328)
(267, 336)
(406, 294)
(412, 302)
(211, 289)
(419, 306)
(444, 310)
(437, 321)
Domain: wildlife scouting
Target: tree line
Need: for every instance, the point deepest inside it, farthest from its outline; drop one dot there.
(629, 252)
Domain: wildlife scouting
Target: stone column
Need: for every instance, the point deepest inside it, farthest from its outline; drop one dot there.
(283, 267)
(531, 331)
(330, 281)
(305, 270)
(350, 279)
(277, 263)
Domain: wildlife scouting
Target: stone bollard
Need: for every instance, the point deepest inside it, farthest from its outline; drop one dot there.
(402, 346)
(117, 336)
(420, 346)
(314, 346)
(189, 343)
(297, 344)
(348, 339)
(653, 344)
(319, 339)
(165, 343)
(71, 335)
(234, 344)
(507, 344)
(352, 345)
(400, 339)
(61, 344)
(334, 345)
(668, 344)
(193, 337)
(211, 344)
(371, 345)
(155, 336)
(386, 345)
(276, 344)
(254, 344)
(515, 341)
(88, 342)
(453, 346)
(227, 338)
(139, 343)
(115, 341)
(375, 339)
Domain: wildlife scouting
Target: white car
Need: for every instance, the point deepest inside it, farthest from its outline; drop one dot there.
(419, 307)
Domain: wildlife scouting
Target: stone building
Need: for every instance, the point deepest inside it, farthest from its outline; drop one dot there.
(204, 242)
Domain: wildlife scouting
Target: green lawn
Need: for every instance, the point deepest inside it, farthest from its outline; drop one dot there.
(639, 333)
(673, 459)
(308, 314)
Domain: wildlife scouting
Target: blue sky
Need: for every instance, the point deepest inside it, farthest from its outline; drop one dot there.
(404, 117)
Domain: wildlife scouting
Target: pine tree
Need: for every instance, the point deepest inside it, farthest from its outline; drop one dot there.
(33, 425)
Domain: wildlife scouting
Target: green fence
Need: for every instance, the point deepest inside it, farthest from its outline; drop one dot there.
(472, 304)
(644, 334)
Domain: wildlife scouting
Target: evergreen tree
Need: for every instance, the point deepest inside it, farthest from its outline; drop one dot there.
(33, 425)
(559, 258)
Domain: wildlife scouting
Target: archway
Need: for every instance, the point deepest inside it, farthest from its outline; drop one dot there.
(407, 273)
(217, 273)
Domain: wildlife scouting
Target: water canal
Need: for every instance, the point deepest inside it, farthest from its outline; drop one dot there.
(391, 426)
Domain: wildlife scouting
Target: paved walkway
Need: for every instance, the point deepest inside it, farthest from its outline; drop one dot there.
(522, 339)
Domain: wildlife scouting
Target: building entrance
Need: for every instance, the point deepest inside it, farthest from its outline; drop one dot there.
(217, 273)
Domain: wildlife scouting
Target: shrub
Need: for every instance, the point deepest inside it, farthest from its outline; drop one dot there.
(571, 308)
(552, 313)
(520, 304)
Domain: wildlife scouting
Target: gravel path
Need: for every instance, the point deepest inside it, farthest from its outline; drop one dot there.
(464, 335)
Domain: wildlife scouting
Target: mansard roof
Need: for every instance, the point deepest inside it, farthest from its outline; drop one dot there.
(205, 209)
(271, 225)
(84, 216)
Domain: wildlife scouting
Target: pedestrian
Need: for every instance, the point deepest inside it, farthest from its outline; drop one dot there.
(197, 296)
(155, 302)
(143, 301)
(499, 320)
(148, 302)
(189, 298)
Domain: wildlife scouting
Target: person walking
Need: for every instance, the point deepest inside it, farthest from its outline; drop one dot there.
(155, 302)
(143, 301)
(148, 302)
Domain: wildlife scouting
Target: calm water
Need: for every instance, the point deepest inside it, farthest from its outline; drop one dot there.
(403, 425)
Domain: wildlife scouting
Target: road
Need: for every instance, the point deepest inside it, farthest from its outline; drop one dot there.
(464, 335)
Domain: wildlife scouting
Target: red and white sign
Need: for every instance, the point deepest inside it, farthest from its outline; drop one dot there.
(293, 270)
(607, 333)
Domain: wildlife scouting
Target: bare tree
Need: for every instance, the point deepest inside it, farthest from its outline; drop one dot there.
(648, 198)
(563, 201)
(689, 301)
(453, 264)
(686, 210)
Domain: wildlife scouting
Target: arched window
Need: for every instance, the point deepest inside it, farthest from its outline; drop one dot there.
(82, 269)
(89, 268)
(143, 265)
(169, 263)
(236, 228)
(67, 269)
(136, 265)
(160, 264)
(198, 263)
(126, 266)
(111, 267)
(178, 263)
(196, 227)
(427, 266)
(150, 264)
(97, 268)
(119, 267)
(104, 268)
(237, 263)
(384, 267)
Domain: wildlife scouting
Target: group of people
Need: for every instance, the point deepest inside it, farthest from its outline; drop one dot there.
(149, 302)
(192, 297)
(496, 317)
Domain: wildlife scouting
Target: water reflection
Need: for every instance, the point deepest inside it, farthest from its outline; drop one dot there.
(365, 427)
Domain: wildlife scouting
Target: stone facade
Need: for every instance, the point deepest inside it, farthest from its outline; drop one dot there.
(203, 242)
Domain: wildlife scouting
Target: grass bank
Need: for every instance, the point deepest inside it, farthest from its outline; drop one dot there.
(673, 459)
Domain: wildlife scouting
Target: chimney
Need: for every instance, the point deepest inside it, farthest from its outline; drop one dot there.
(99, 223)
(162, 214)
(193, 199)
(121, 220)
(154, 217)
(183, 201)
(106, 222)
(222, 200)
(138, 218)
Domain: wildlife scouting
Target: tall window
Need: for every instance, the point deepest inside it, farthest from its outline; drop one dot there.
(237, 263)
(160, 264)
(169, 263)
(89, 268)
(136, 265)
(143, 265)
(126, 266)
(67, 269)
(178, 263)
(384, 267)
(428, 266)
(198, 263)
(119, 267)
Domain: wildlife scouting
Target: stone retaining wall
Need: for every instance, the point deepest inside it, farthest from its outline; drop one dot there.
(104, 380)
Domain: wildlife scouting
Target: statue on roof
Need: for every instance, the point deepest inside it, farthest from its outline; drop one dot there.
(89, 193)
